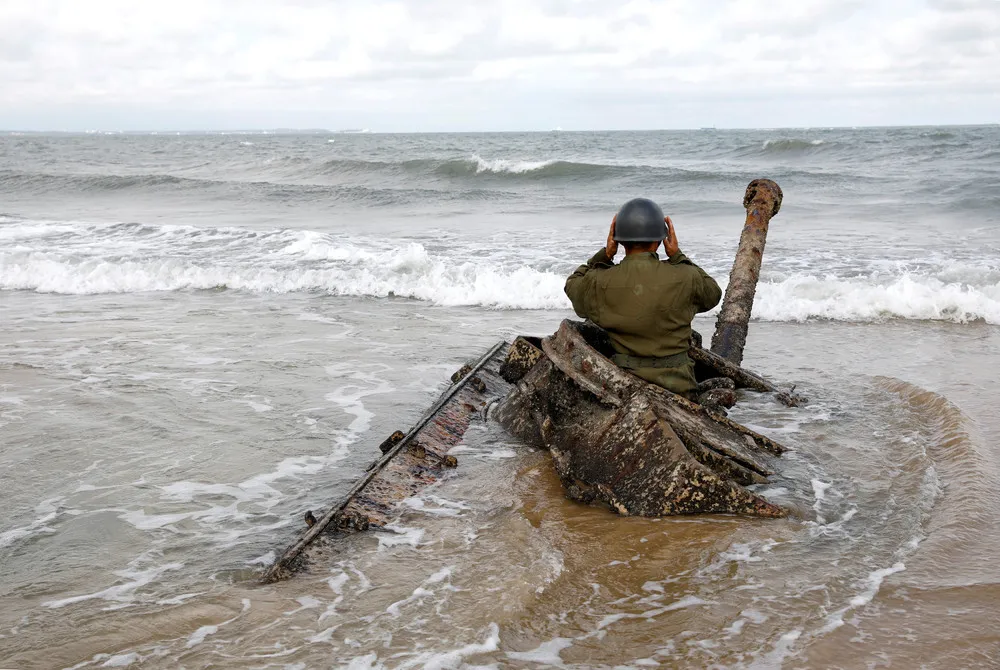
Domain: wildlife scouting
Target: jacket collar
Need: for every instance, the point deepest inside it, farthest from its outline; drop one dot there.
(644, 256)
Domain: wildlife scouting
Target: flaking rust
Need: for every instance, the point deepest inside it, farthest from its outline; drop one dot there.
(614, 438)
(762, 201)
(633, 446)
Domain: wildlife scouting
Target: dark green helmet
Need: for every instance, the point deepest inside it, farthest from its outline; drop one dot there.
(640, 220)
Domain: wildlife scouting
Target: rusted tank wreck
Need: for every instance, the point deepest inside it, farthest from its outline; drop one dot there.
(614, 438)
(617, 439)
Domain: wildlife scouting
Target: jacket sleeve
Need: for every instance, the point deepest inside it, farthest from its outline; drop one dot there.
(581, 285)
(707, 293)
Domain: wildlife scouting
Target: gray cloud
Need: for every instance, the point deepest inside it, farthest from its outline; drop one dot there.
(425, 64)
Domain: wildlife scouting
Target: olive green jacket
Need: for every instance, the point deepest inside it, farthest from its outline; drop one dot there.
(647, 306)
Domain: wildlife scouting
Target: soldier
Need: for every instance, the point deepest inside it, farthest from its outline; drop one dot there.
(646, 305)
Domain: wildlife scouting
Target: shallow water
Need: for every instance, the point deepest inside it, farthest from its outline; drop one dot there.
(173, 463)
(176, 392)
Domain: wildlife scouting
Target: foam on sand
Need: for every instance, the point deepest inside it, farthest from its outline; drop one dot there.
(546, 653)
(870, 588)
(48, 511)
(134, 579)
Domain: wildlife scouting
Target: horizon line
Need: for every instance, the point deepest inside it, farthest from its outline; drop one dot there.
(367, 131)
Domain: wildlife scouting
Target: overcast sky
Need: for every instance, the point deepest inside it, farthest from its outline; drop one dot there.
(433, 65)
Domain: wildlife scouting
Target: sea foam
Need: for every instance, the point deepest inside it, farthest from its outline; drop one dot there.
(129, 258)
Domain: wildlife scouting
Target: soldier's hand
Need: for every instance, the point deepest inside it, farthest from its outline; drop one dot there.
(670, 244)
(611, 248)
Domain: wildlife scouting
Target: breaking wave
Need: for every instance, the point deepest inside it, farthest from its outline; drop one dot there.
(790, 148)
(790, 145)
(348, 179)
(409, 273)
(130, 258)
(123, 258)
(476, 165)
(803, 297)
(471, 167)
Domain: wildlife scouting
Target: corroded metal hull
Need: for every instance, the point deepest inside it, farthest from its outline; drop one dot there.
(619, 440)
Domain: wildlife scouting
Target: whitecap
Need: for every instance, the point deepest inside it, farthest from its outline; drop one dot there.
(503, 165)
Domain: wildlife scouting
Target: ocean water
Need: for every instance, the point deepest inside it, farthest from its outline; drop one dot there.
(203, 336)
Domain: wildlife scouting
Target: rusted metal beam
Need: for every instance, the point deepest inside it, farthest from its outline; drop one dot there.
(741, 377)
(762, 201)
(403, 468)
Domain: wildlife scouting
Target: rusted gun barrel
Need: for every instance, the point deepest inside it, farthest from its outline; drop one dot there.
(762, 201)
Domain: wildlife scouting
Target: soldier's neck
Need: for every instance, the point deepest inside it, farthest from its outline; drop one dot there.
(634, 251)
